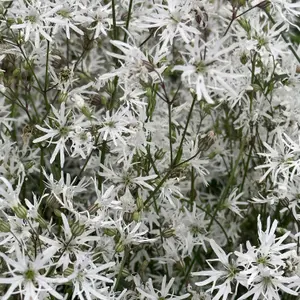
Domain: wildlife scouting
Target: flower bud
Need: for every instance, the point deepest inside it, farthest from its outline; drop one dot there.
(77, 229)
(169, 232)
(139, 203)
(16, 72)
(205, 142)
(159, 154)
(93, 208)
(245, 24)
(68, 271)
(57, 212)
(62, 97)
(4, 226)
(42, 222)
(110, 231)
(20, 211)
(110, 87)
(120, 247)
(128, 217)
(148, 65)
(126, 272)
(52, 202)
(86, 111)
(256, 87)
(244, 58)
(136, 216)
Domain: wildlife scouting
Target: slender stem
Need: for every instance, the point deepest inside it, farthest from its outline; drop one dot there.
(187, 273)
(115, 34)
(124, 259)
(227, 187)
(50, 271)
(46, 73)
(184, 131)
(170, 131)
(235, 16)
(128, 19)
(88, 158)
(152, 194)
(148, 38)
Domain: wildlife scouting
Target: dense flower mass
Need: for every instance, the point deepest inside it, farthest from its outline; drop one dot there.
(149, 149)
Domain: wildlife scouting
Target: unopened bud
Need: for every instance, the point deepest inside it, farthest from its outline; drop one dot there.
(110, 231)
(77, 229)
(245, 24)
(136, 216)
(93, 208)
(68, 271)
(128, 217)
(167, 233)
(205, 142)
(256, 87)
(52, 202)
(16, 72)
(126, 272)
(20, 211)
(110, 87)
(4, 226)
(120, 247)
(244, 58)
(86, 111)
(57, 212)
(148, 66)
(42, 222)
(263, 4)
(159, 154)
(139, 203)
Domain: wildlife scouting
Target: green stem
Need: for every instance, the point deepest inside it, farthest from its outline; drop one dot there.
(152, 194)
(124, 259)
(184, 132)
(87, 159)
(170, 132)
(228, 185)
(115, 34)
(128, 20)
(50, 271)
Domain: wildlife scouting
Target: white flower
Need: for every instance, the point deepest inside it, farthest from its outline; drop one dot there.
(89, 279)
(133, 233)
(267, 284)
(232, 202)
(35, 17)
(101, 14)
(116, 125)
(10, 196)
(226, 277)
(69, 243)
(206, 69)
(61, 131)
(151, 293)
(28, 275)
(174, 19)
(126, 176)
(63, 128)
(135, 65)
(265, 265)
(69, 16)
(287, 9)
(282, 161)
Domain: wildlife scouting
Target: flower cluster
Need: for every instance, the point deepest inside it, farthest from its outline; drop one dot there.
(139, 139)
